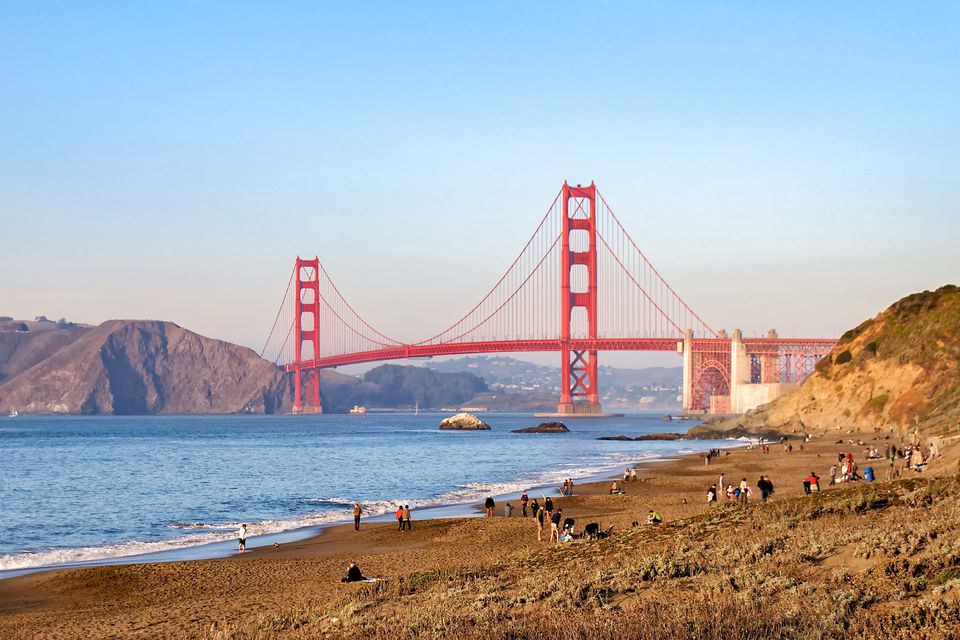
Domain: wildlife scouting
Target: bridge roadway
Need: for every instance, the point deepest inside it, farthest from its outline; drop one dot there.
(758, 345)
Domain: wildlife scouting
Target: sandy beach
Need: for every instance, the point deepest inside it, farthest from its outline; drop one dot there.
(196, 598)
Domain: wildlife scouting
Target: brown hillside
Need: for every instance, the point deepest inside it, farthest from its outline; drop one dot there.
(136, 367)
(20, 350)
(900, 369)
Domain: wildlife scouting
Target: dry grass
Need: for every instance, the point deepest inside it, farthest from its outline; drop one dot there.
(876, 561)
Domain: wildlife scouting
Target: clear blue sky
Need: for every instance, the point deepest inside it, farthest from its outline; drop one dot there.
(788, 165)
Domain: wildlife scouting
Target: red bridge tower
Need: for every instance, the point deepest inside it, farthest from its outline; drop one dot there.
(307, 328)
(578, 291)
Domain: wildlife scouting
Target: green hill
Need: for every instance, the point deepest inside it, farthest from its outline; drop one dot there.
(899, 371)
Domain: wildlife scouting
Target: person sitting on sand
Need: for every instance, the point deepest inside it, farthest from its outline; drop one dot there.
(615, 488)
(353, 574)
(654, 517)
(711, 495)
(568, 525)
(633, 474)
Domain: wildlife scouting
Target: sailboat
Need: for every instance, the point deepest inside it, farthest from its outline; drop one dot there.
(416, 409)
(13, 413)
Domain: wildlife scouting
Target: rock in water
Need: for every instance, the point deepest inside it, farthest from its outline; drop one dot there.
(646, 436)
(464, 422)
(545, 427)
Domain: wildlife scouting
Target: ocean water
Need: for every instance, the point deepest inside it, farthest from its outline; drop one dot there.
(82, 489)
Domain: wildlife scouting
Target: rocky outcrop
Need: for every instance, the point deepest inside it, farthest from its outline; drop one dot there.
(899, 370)
(545, 427)
(646, 436)
(140, 367)
(463, 422)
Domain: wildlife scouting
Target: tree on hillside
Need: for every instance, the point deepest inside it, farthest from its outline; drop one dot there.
(407, 385)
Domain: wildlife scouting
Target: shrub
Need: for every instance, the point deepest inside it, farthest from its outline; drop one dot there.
(877, 403)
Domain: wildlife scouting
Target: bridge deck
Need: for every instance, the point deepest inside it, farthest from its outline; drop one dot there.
(399, 352)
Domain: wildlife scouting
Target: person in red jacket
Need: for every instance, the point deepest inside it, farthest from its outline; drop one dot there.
(811, 484)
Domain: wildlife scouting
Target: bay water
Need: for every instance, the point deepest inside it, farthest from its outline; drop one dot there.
(78, 490)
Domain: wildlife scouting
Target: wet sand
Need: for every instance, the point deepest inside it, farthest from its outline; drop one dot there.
(179, 599)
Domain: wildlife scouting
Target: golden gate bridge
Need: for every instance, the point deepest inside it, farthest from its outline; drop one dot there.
(580, 285)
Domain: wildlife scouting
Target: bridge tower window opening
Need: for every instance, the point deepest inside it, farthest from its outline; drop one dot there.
(756, 369)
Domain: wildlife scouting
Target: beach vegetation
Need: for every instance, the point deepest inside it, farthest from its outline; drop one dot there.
(866, 561)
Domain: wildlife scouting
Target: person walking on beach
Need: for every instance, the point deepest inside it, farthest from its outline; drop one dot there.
(524, 501)
(242, 537)
(489, 505)
(399, 516)
(406, 517)
(766, 488)
(357, 511)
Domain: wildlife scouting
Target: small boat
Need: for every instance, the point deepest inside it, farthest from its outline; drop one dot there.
(13, 413)
(416, 410)
(358, 410)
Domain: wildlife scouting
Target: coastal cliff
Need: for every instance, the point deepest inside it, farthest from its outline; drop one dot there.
(131, 367)
(900, 369)
(138, 367)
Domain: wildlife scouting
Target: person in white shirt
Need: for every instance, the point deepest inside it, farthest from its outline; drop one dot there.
(242, 537)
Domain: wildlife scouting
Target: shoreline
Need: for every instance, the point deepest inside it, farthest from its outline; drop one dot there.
(193, 597)
(226, 548)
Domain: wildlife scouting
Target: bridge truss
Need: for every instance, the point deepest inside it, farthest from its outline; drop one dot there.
(580, 285)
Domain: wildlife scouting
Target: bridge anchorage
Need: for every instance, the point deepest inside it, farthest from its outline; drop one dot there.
(579, 286)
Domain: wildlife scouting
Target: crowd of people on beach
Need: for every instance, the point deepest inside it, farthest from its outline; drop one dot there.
(560, 527)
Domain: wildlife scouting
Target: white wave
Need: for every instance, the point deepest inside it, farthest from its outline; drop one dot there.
(227, 531)
(203, 525)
